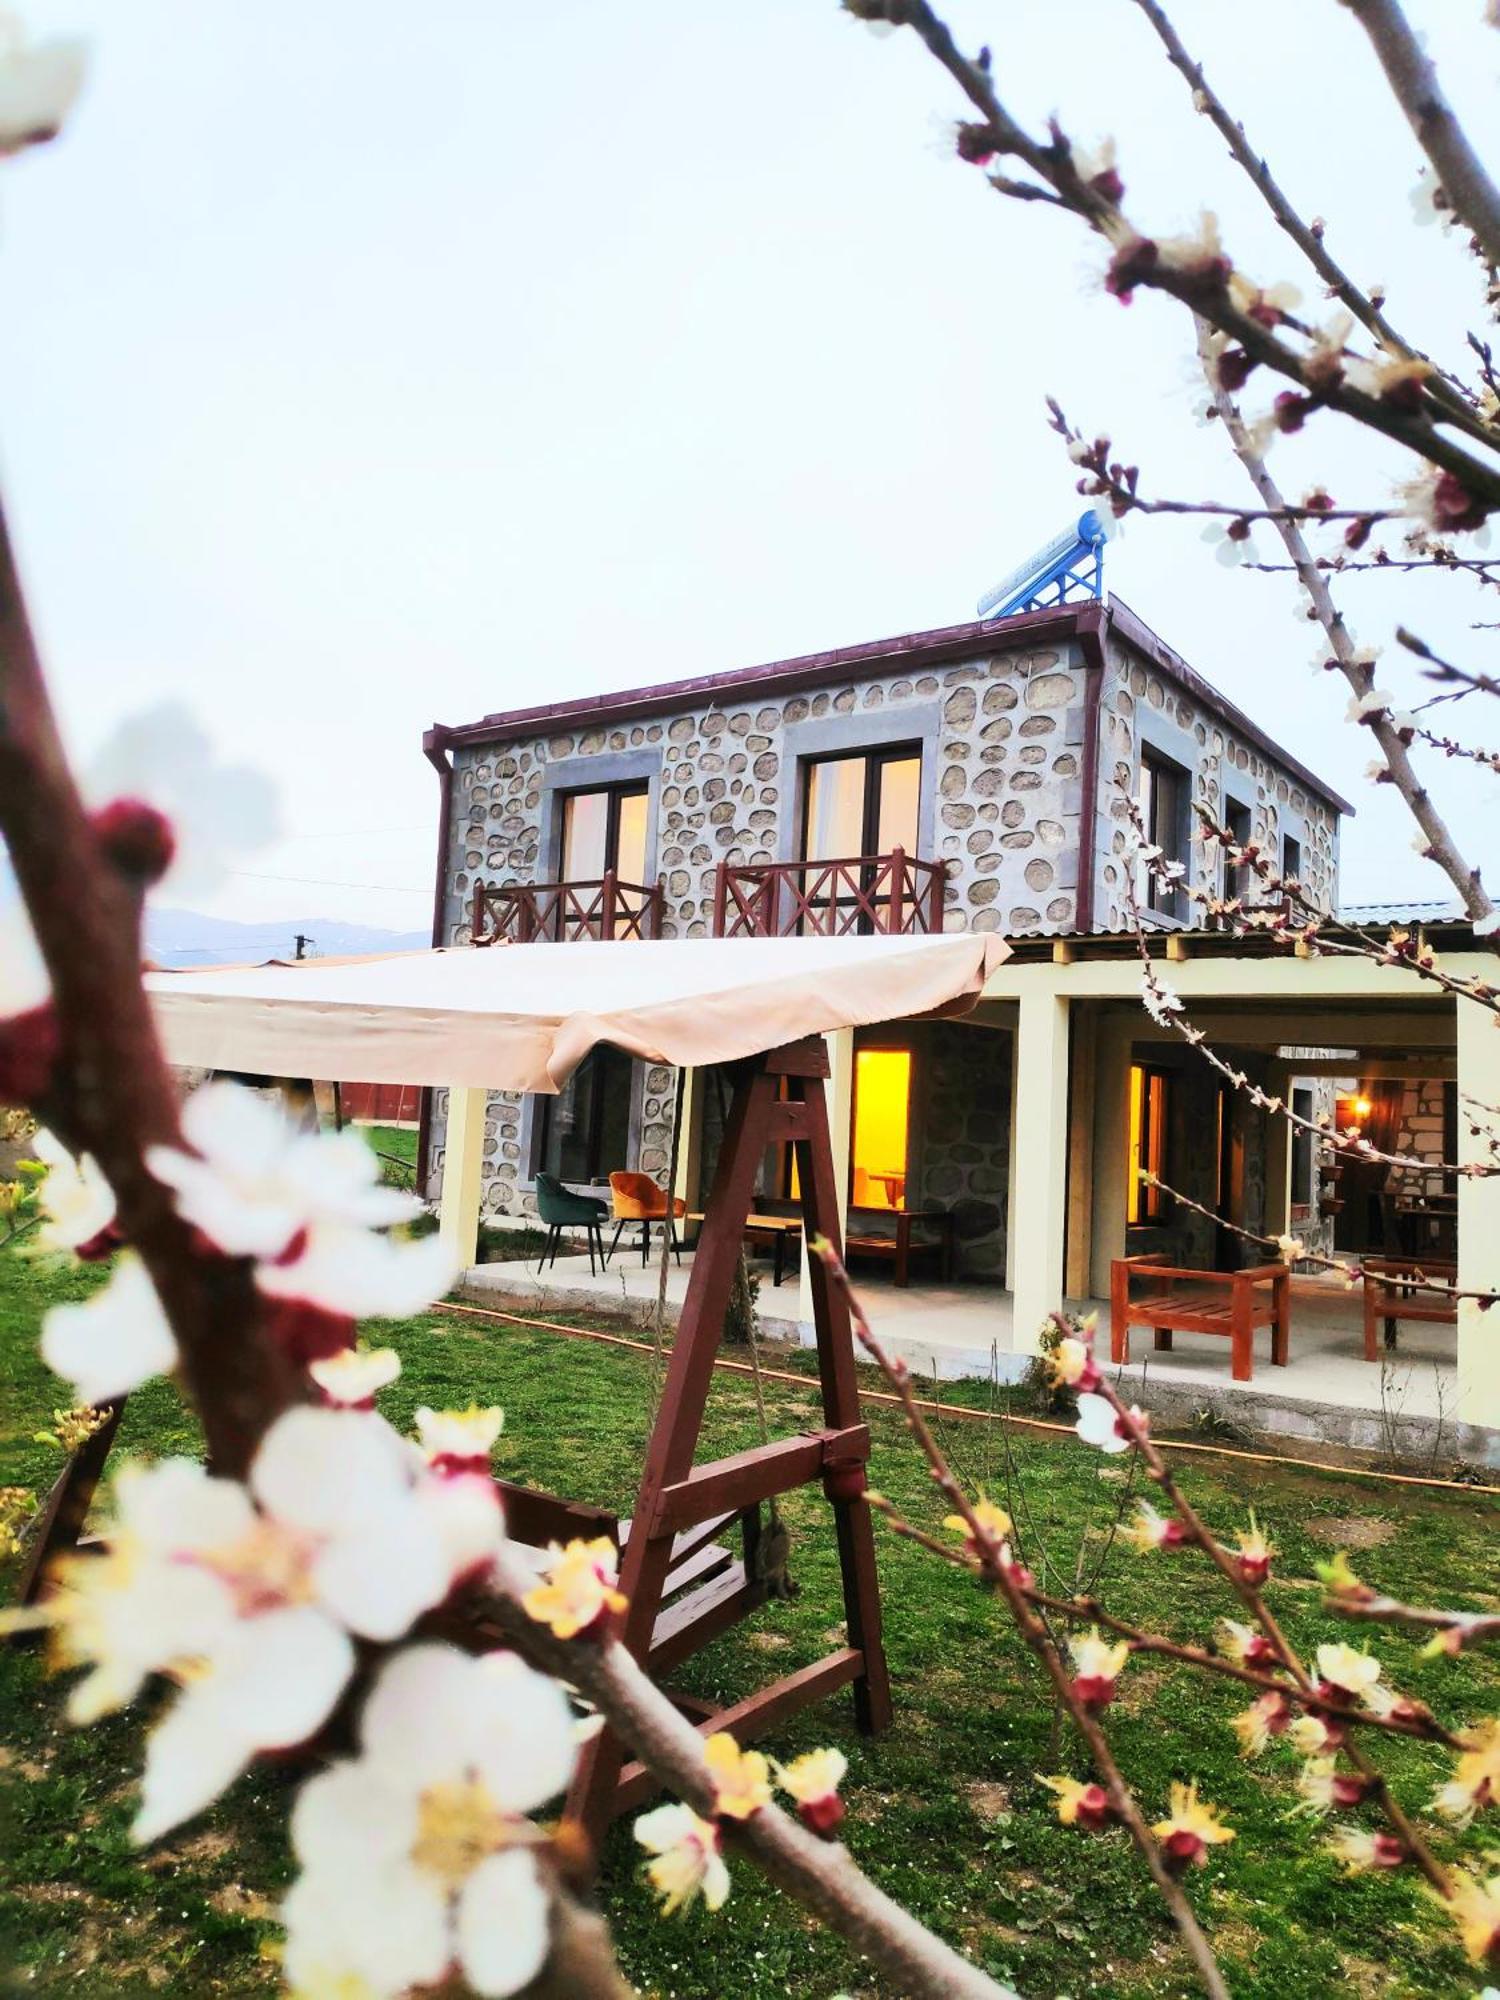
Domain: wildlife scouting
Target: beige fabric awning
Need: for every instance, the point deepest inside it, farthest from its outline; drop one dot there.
(522, 1017)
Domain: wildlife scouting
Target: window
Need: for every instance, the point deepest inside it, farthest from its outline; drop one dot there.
(585, 1129)
(1291, 859)
(882, 1122)
(1150, 1115)
(1161, 794)
(604, 829)
(1239, 876)
(865, 804)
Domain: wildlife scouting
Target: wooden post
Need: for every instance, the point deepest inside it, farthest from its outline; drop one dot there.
(672, 1491)
(721, 897)
(840, 1102)
(897, 917)
(607, 904)
(463, 1172)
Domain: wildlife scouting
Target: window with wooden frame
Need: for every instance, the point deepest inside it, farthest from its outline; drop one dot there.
(1162, 798)
(604, 829)
(1291, 858)
(1239, 876)
(1302, 1151)
(1147, 1163)
(857, 805)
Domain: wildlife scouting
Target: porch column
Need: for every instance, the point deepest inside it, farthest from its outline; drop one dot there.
(690, 1140)
(1478, 1224)
(1039, 1164)
(1111, 1146)
(463, 1173)
(839, 1092)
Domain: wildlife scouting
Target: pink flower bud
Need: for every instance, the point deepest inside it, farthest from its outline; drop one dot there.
(136, 837)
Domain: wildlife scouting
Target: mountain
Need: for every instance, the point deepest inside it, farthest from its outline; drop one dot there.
(180, 938)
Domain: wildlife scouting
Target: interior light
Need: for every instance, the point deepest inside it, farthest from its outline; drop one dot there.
(1362, 1107)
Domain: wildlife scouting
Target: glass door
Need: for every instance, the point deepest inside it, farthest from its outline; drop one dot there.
(855, 808)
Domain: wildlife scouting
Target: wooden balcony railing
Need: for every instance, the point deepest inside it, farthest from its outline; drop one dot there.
(563, 912)
(893, 893)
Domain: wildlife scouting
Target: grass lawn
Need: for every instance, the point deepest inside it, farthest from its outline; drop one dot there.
(945, 1811)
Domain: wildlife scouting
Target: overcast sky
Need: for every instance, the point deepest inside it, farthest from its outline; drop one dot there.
(369, 365)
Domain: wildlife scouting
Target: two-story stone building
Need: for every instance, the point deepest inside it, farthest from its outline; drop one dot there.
(973, 777)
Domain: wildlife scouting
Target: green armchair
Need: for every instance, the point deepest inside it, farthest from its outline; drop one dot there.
(561, 1209)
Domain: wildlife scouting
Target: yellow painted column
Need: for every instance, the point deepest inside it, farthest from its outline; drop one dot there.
(1111, 1146)
(463, 1173)
(839, 1091)
(1478, 1224)
(1039, 1153)
(690, 1141)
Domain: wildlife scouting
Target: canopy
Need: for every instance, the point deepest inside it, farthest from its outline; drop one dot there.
(522, 1017)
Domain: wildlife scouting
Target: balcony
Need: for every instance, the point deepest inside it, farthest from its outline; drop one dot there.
(892, 893)
(564, 912)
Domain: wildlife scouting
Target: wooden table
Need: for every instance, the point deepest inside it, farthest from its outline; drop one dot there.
(1398, 1288)
(862, 1241)
(779, 1228)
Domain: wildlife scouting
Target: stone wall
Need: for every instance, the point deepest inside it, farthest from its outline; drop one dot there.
(1001, 739)
(1140, 705)
(963, 1139)
(1421, 1132)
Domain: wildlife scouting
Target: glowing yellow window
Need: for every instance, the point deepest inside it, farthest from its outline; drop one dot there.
(1148, 1144)
(882, 1115)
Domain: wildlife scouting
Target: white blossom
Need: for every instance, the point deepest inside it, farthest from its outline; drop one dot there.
(1230, 549)
(415, 1855)
(38, 85)
(1099, 1425)
(307, 1205)
(76, 1201)
(356, 1374)
(217, 812)
(115, 1340)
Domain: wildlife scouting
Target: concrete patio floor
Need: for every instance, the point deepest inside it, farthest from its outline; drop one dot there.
(1328, 1393)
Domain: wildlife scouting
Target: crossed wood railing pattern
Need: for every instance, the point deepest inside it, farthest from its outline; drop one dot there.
(893, 893)
(563, 912)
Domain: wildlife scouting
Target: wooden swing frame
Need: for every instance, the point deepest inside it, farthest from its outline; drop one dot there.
(683, 1587)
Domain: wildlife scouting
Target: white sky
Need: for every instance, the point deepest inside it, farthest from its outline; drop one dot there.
(365, 365)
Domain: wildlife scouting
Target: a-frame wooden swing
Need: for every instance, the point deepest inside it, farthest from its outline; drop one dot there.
(683, 1584)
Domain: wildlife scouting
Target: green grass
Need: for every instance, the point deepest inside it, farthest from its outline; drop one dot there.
(945, 1811)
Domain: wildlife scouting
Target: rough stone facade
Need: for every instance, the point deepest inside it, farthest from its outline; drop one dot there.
(1142, 706)
(1421, 1133)
(1005, 761)
(963, 1140)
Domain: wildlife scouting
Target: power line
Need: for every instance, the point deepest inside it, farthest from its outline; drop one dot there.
(322, 882)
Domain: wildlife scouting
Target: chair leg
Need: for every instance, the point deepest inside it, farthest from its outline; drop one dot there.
(645, 1242)
(551, 1239)
(614, 1241)
(589, 1232)
(672, 1239)
(1119, 1316)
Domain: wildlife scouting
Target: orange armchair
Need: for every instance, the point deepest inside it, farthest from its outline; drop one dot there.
(637, 1198)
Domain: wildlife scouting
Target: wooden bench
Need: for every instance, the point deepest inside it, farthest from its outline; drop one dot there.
(901, 1247)
(1230, 1303)
(1398, 1288)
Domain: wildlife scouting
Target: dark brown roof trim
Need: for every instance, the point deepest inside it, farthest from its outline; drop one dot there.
(912, 651)
(1135, 632)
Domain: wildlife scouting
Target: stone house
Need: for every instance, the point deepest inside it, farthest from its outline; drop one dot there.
(970, 777)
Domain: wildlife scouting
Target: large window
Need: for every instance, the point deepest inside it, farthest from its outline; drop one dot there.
(882, 1123)
(861, 805)
(1291, 859)
(1150, 1118)
(1239, 876)
(864, 804)
(1302, 1151)
(1162, 796)
(585, 1129)
(601, 830)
